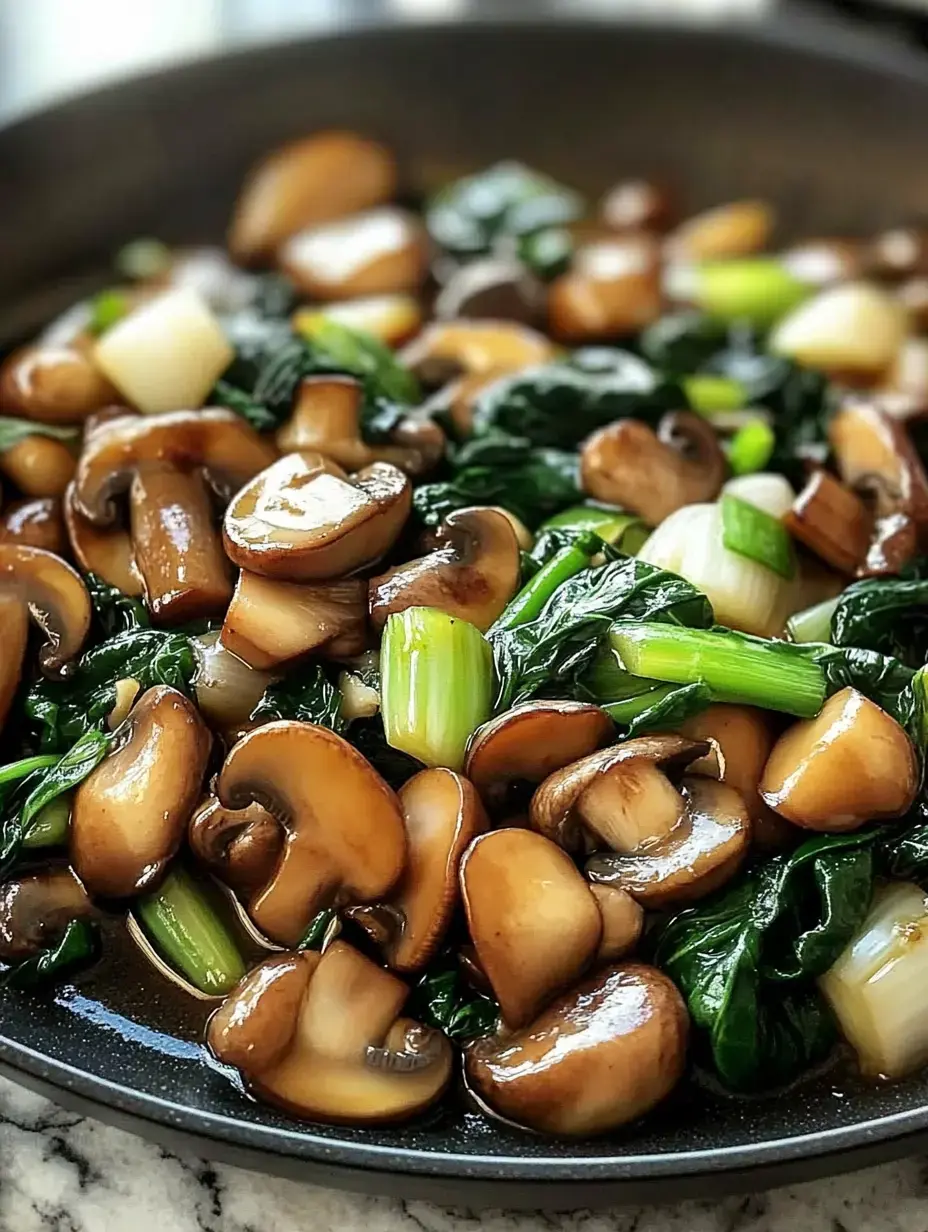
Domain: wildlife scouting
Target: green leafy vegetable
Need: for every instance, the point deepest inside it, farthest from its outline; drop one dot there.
(745, 960)
(315, 935)
(889, 615)
(572, 552)
(682, 342)
(443, 999)
(337, 348)
(107, 308)
(76, 948)
(12, 431)
(638, 703)
(114, 611)
(547, 253)
(306, 694)
(753, 533)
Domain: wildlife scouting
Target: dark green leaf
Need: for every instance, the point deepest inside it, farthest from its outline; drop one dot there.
(547, 253)
(682, 342)
(307, 695)
(76, 948)
(889, 615)
(114, 611)
(319, 926)
(394, 766)
(336, 348)
(443, 999)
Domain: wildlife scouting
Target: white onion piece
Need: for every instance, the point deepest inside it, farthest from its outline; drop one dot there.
(167, 354)
(851, 328)
(771, 493)
(744, 594)
(359, 700)
(878, 988)
(227, 689)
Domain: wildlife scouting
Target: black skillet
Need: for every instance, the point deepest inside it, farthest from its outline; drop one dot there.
(834, 131)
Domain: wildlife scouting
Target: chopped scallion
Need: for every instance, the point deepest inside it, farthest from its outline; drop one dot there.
(751, 532)
(758, 290)
(708, 394)
(752, 446)
(813, 624)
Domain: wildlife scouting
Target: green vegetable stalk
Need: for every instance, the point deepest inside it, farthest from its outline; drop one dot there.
(533, 596)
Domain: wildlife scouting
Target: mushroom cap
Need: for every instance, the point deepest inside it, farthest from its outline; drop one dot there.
(598, 1057)
(130, 814)
(735, 229)
(35, 523)
(297, 521)
(36, 909)
(52, 384)
(851, 764)
(320, 1036)
(698, 855)
(533, 921)
(39, 465)
(106, 552)
(240, 846)
(55, 597)
(269, 622)
(472, 573)
(345, 835)
(653, 474)
(623, 922)
(219, 441)
(531, 741)
(311, 181)
(442, 814)
(14, 633)
(446, 348)
(613, 288)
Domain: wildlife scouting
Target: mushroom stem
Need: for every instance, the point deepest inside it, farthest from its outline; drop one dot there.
(14, 629)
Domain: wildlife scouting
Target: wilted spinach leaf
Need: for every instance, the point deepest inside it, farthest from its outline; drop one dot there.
(745, 960)
(443, 999)
(314, 936)
(76, 948)
(889, 615)
(680, 343)
(559, 404)
(307, 695)
(393, 765)
(507, 199)
(880, 677)
(115, 612)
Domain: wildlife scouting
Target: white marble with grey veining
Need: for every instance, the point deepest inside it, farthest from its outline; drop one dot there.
(63, 1173)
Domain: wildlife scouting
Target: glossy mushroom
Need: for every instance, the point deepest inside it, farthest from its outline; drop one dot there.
(531, 741)
(472, 573)
(104, 551)
(394, 319)
(732, 230)
(613, 289)
(269, 623)
(533, 921)
(598, 1057)
(623, 922)
(240, 846)
(377, 252)
(851, 764)
(36, 909)
(446, 349)
(345, 838)
(130, 814)
(321, 1036)
(36, 523)
(299, 522)
(832, 521)
(52, 384)
(319, 178)
(653, 474)
(39, 465)
(637, 205)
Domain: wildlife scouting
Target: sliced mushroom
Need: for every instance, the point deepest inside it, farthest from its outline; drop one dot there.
(531, 741)
(459, 397)
(876, 459)
(35, 910)
(39, 466)
(312, 181)
(533, 921)
(733, 230)
(443, 814)
(52, 384)
(376, 252)
(269, 623)
(327, 418)
(345, 836)
(53, 594)
(472, 573)
(623, 922)
(299, 522)
(241, 846)
(105, 552)
(36, 523)
(612, 289)
(177, 550)
(600, 1056)
(447, 348)
(320, 1036)
(653, 474)
(494, 288)
(130, 814)
(637, 205)
(227, 689)
(831, 521)
(14, 632)
(851, 764)
(394, 319)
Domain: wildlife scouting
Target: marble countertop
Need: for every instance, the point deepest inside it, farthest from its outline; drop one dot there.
(60, 1172)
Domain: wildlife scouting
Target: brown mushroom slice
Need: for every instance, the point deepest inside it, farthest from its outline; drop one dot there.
(39, 465)
(106, 553)
(851, 764)
(377, 252)
(55, 597)
(176, 546)
(443, 814)
(733, 230)
(472, 573)
(269, 623)
(311, 181)
(628, 799)
(876, 458)
(533, 921)
(700, 854)
(240, 846)
(221, 442)
(496, 288)
(600, 1056)
(637, 205)
(653, 474)
(36, 909)
(531, 741)
(447, 348)
(612, 289)
(36, 523)
(298, 522)
(623, 922)
(394, 319)
(345, 839)
(52, 384)
(14, 633)
(320, 1036)
(130, 814)
(832, 522)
